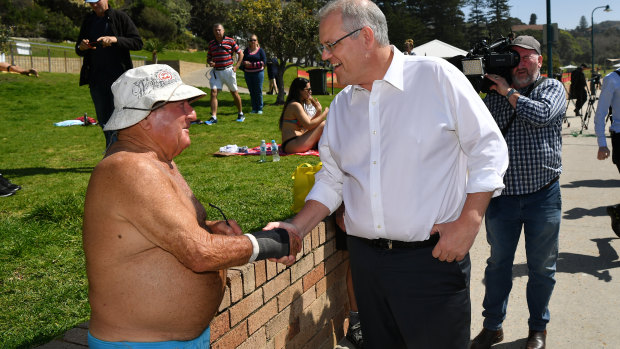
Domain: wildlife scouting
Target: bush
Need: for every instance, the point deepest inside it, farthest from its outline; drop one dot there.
(59, 27)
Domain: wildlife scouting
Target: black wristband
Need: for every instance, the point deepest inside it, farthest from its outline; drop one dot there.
(272, 243)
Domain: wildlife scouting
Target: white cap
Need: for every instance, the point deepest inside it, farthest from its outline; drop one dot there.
(137, 90)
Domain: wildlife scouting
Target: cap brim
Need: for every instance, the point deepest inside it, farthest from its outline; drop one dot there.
(123, 118)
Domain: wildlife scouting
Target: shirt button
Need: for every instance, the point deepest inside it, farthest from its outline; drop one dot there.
(378, 226)
(374, 132)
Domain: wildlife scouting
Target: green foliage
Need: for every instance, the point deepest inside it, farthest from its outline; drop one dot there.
(59, 27)
(155, 24)
(43, 284)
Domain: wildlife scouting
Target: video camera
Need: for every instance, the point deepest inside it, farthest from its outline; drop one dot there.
(496, 58)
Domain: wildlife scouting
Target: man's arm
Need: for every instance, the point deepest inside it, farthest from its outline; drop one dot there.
(458, 236)
(604, 102)
(239, 60)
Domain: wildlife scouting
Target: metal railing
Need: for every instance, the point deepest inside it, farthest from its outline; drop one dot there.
(49, 57)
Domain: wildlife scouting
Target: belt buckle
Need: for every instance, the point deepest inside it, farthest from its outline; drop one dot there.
(389, 244)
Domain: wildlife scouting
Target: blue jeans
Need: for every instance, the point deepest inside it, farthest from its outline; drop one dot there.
(103, 99)
(255, 85)
(539, 215)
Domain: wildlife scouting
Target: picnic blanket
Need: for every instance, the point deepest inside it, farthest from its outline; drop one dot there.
(76, 122)
(233, 149)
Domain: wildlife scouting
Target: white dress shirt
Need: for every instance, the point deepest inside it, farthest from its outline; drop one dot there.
(610, 96)
(399, 155)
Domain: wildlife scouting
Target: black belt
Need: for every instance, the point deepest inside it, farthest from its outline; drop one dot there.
(549, 184)
(386, 244)
(223, 68)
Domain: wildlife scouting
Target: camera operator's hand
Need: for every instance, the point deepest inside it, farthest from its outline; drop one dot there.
(500, 84)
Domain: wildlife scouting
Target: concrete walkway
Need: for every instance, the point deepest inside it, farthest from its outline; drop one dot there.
(585, 305)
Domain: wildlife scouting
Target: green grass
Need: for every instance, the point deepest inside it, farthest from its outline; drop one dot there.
(43, 285)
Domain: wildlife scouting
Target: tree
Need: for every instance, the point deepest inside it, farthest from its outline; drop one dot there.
(583, 24)
(477, 21)
(205, 13)
(287, 31)
(533, 19)
(498, 14)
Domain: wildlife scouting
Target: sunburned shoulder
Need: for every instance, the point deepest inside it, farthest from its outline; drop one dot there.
(124, 165)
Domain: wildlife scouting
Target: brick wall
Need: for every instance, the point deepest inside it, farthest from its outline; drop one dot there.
(269, 305)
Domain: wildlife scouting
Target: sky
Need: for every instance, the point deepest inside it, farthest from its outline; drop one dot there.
(566, 13)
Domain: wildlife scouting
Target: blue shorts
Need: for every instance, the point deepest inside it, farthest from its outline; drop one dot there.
(201, 342)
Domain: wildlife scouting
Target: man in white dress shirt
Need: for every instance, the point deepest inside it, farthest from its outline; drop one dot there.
(415, 155)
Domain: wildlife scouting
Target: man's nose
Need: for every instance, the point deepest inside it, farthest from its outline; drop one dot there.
(325, 55)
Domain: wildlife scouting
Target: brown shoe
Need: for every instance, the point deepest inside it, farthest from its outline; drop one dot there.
(486, 338)
(536, 340)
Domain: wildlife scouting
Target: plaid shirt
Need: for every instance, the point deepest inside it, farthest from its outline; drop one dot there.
(535, 137)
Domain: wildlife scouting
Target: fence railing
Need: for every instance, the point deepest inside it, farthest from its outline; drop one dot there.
(50, 58)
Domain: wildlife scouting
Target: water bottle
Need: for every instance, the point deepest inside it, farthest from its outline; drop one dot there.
(263, 151)
(275, 151)
(86, 121)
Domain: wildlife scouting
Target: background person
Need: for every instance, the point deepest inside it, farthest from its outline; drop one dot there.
(302, 119)
(105, 38)
(272, 71)
(609, 97)
(254, 61)
(411, 212)
(530, 114)
(155, 265)
(578, 88)
(220, 58)
(409, 47)
(12, 68)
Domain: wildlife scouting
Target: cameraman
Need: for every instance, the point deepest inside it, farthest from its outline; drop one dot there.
(578, 88)
(610, 97)
(529, 112)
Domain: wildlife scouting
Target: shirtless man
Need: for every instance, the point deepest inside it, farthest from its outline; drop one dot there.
(156, 267)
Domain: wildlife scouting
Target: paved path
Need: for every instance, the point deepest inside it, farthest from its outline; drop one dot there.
(585, 307)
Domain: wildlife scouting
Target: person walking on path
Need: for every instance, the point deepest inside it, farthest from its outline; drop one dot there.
(530, 114)
(411, 212)
(106, 37)
(220, 58)
(578, 88)
(609, 97)
(253, 63)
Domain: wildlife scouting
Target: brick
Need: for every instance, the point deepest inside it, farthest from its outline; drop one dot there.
(225, 303)
(257, 340)
(319, 255)
(315, 236)
(313, 313)
(260, 272)
(275, 286)
(330, 248)
(264, 314)
(302, 267)
(233, 338)
(289, 294)
(235, 283)
(285, 319)
(308, 297)
(272, 269)
(220, 325)
(333, 261)
(312, 277)
(278, 341)
(323, 234)
(338, 275)
(330, 234)
(247, 277)
(307, 243)
(324, 338)
(246, 306)
(281, 267)
(321, 286)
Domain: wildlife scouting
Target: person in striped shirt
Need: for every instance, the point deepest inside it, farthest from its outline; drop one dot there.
(220, 59)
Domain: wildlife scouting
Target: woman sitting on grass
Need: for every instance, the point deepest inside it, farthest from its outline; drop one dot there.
(302, 118)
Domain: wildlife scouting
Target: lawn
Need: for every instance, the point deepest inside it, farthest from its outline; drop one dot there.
(43, 285)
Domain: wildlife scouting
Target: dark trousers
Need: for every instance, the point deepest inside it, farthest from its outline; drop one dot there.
(409, 299)
(615, 147)
(581, 97)
(103, 99)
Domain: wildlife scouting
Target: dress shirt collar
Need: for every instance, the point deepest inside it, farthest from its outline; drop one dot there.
(394, 74)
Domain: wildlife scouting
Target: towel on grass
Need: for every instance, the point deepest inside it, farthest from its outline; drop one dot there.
(233, 149)
(76, 122)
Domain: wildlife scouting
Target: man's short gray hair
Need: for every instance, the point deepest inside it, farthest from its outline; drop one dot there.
(358, 14)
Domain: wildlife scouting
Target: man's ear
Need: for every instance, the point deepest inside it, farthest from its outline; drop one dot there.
(368, 36)
(145, 123)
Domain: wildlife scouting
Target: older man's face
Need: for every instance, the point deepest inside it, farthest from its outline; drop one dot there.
(218, 32)
(347, 56)
(528, 69)
(169, 127)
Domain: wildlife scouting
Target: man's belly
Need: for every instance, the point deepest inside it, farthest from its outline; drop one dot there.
(152, 298)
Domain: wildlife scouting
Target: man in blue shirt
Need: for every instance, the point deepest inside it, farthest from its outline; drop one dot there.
(610, 97)
(529, 112)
